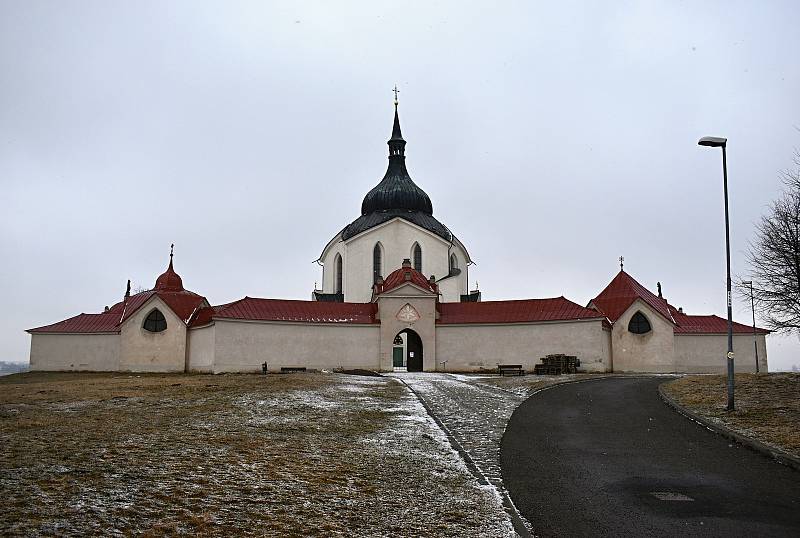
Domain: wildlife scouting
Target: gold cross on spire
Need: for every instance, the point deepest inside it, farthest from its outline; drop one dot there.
(396, 91)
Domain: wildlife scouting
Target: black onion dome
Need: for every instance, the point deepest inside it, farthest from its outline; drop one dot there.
(396, 191)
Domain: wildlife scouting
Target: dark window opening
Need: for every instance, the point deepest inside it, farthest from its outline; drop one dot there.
(376, 262)
(155, 322)
(639, 324)
(338, 285)
(417, 258)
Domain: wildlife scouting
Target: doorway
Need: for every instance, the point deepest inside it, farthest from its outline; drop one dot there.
(413, 350)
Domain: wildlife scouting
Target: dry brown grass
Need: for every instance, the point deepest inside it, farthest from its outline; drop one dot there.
(232, 455)
(767, 405)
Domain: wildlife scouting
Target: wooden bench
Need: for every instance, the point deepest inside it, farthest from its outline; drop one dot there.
(292, 369)
(510, 368)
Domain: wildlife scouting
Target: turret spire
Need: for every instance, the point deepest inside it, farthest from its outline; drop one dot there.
(397, 145)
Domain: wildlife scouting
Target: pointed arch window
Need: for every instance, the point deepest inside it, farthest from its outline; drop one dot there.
(417, 253)
(155, 322)
(337, 284)
(639, 324)
(377, 260)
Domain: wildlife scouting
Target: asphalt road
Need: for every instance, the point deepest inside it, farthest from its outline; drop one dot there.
(609, 458)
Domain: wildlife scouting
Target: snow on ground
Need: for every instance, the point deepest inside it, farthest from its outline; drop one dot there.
(288, 455)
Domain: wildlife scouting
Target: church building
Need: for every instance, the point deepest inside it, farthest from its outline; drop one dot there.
(394, 297)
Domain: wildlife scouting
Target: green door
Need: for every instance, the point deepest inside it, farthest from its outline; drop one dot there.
(397, 356)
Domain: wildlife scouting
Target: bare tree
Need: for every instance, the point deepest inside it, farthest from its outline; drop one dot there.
(774, 258)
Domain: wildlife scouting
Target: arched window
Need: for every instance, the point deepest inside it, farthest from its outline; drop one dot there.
(377, 256)
(155, 322)
(639, 324)
(453, 263)
(417, 252)
(337, 284)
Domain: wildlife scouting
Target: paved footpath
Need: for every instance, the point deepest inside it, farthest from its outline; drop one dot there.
(609, 458)
(475, 415)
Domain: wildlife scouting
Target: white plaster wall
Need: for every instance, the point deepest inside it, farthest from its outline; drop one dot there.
(651, 352)
(201, 349)
(472, 347)
(706, 353)
(397, 238)
(241, 346)
(143, 351)
(63, 352)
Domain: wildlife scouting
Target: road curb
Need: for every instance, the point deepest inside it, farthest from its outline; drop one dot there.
(518, 522)
(777, 454)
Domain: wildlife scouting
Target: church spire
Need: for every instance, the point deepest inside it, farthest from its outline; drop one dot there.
(396, 191)
(397, 146)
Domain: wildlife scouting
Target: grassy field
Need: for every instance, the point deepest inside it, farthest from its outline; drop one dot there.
(767, 405)
(232, 455)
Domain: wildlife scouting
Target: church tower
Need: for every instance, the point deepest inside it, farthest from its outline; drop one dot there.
(396, 223)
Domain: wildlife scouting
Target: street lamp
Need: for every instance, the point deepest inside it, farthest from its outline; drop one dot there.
(753, 306)
(715, 142)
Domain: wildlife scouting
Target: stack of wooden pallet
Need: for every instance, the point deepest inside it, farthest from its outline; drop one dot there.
(557, 365)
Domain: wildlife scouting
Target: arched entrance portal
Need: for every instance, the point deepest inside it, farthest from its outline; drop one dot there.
(407, 351)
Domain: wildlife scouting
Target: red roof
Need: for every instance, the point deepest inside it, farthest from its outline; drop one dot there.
(528, 310)
(292, 310)
(183, 303)
(712, 324)
(168, 288)
(620, 294)
(169, 280)
(403, 275)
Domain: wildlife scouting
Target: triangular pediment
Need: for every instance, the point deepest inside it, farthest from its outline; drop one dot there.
(408, 289)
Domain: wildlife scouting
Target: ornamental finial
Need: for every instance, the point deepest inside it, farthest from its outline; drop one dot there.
(621, 262)
(171, 249)
(396, 91)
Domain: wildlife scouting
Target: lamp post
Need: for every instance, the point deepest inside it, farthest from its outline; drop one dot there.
(753, 306)
(715, 142)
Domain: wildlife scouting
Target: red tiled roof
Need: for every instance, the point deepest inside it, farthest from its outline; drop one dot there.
(687, 324)
(169, 280)
(251, 308)
(183, 303)
(406, 274)
(624, 290)
(168, 288)
(528, 310)
(620, 294)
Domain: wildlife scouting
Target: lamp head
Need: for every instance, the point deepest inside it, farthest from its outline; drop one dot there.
(713, 141)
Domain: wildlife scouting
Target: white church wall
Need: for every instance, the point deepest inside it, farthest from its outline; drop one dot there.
(471, 347)
(451, 289)
(329, 268)
(706, 353)
(144, 351)
(397, 238)
(66, 352)
(650, 352)
(241, 346)
(201, 349)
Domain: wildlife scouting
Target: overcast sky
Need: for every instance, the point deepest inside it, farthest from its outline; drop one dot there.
(551, 137)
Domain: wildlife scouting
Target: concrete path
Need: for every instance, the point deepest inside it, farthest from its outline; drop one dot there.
(475, 415)
(609, 458)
